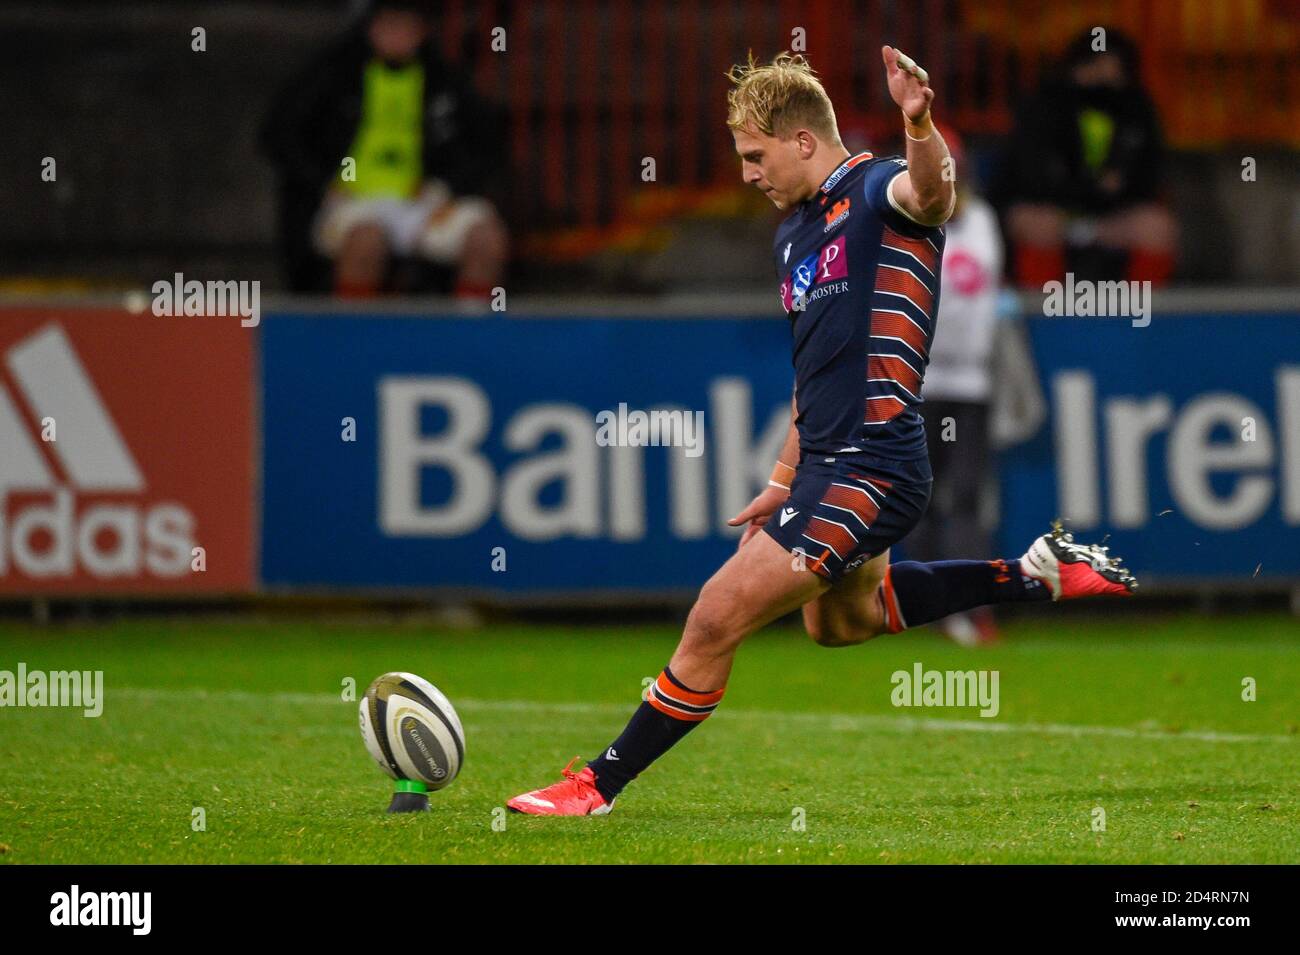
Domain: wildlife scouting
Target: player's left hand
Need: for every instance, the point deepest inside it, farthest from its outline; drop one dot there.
(909, 84)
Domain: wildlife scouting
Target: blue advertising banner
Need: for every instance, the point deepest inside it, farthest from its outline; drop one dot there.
(473, 459)
(1180, 440)
(476, 454)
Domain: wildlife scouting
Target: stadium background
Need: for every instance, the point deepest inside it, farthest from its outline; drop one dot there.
(468, 484)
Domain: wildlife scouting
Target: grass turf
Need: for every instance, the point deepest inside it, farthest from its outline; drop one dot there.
(1142, 718)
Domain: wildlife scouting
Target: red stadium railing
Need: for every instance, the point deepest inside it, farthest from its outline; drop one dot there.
(596, 86)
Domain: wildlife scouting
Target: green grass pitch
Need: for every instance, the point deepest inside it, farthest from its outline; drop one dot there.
(805, 761)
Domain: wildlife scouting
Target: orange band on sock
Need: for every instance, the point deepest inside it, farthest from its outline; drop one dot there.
(680, 703)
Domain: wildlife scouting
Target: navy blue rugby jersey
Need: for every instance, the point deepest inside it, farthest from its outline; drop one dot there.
(860, 285)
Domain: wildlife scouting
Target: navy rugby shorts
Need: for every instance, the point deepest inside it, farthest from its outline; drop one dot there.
(845, 509)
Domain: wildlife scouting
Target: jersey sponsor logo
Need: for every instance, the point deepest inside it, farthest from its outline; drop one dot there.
(823, 269)
(801, 279)
(833, 261)
(837, 216)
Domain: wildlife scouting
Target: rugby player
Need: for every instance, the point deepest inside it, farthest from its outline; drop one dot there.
(859, 259)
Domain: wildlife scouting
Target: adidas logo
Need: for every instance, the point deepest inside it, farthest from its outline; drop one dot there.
(75, 449)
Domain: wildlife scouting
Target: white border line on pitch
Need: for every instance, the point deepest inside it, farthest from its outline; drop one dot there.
(839, 722)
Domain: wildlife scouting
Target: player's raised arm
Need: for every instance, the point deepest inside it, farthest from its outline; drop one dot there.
(923, 192)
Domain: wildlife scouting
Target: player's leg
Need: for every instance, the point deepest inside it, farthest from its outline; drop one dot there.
(856, 512)
(758, 584)
(851, 612)
(890, 598)
(910, 593)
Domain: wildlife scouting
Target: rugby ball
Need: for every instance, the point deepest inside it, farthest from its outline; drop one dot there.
(412, 730)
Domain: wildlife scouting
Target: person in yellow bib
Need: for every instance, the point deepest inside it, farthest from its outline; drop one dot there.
(394, 152)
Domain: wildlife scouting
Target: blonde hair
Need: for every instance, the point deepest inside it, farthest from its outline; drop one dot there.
(780, 97)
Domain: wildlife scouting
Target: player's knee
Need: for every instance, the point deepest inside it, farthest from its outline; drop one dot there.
(837, 634)
(712, 622)
(845, 628)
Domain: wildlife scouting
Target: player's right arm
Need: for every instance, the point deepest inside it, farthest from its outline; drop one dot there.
(761, 508)
(926, 192)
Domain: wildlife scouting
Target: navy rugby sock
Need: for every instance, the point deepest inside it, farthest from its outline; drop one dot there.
(670, 711)
(916, 593)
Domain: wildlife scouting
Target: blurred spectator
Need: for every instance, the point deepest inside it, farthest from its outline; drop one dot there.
(425, 149)
(958, 391)
(1084, 171)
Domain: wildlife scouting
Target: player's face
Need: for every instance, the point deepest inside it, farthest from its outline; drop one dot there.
(771, 165)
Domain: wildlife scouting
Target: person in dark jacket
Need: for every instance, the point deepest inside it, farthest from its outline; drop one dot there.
(1084, 169)
(385, 153)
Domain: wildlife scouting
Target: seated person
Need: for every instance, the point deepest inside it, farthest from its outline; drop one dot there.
(1084, 171)
(385, 151)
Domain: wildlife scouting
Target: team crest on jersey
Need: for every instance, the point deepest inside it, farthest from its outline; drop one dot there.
(839, 212)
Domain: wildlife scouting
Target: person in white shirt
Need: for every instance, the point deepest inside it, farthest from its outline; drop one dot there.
(958, 392)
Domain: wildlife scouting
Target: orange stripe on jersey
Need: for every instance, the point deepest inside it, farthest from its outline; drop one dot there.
(669, 688)
(851, 499)
(880, 410)
(832, 535)
(895, 369)
(904, 283)
(920, 248)
(875, 482)
(893, 325)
